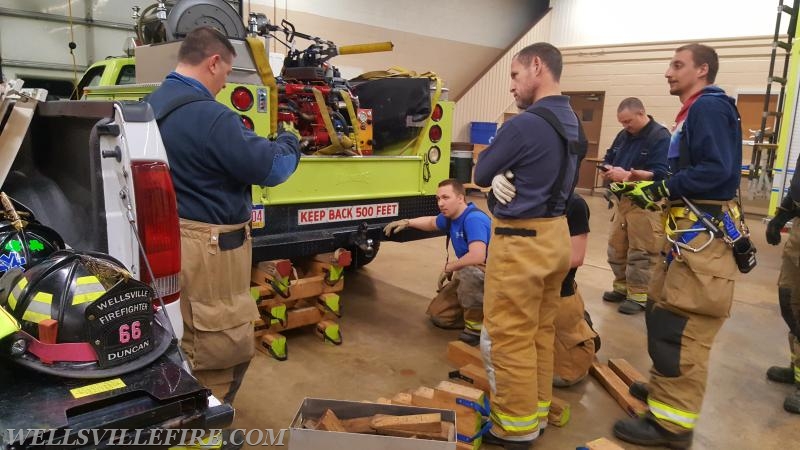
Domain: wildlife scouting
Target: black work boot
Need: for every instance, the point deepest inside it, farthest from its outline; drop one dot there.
(613, 296)
(645, 431)
(780, 374)
(792, 402)
(631, 307)
(639, 390)
(470, 337)
(491, 439)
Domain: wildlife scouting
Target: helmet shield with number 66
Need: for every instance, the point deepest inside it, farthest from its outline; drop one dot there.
(81, 315)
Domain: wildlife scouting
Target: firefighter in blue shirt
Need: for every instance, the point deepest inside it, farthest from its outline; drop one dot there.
(458, 303)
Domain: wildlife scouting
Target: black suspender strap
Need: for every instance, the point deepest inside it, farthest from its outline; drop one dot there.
(577, 148)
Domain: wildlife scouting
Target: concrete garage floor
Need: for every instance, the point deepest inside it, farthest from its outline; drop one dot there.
(389, 346)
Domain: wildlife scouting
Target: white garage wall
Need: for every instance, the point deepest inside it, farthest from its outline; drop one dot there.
(492, 23)
(622, 47)
(593, 22)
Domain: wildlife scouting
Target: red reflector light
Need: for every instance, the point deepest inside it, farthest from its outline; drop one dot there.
(437, 113)
(248, 123)
(157, 221)
(435, 133)
(242, 99)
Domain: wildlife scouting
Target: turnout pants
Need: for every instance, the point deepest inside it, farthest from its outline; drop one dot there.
(789, 293)
(460, 302)
(691, 299)
(217, 308)
(634, 244)
(528, 260)
(574, 348)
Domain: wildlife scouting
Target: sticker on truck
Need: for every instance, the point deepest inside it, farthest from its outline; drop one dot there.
(257, 217)
(346, 213)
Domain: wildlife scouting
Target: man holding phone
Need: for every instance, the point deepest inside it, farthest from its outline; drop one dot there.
(638, 153)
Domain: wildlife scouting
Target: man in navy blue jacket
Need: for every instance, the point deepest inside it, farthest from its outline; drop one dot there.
(639, 152)
(214, 160)
(692, 290)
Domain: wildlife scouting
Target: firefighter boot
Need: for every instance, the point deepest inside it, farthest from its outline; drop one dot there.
(647, 432)
(633, 304)
(470, 337)
(780, 374)
(491, 439)
(792, 402)
(613, 296)
(639, 390)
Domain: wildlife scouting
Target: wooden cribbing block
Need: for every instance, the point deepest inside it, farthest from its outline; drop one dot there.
(603, 444)
(625, 371)
(402, 398)
(299, 317)
(460, 354)
(477, 375)
(358, 425)
(618, 389)
(329, 422)
(430, 423)
(446, 432)
(468, 421)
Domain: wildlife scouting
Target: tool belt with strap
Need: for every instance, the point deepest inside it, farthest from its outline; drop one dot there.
(718, 219)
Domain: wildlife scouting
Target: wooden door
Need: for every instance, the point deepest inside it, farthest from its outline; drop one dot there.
(589, 107)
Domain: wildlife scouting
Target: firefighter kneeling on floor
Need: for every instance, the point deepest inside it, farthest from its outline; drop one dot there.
(458, 303)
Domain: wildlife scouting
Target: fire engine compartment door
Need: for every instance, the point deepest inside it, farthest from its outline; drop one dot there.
(332, 178)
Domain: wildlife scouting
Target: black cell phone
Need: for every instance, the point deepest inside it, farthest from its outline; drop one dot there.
(602, 167)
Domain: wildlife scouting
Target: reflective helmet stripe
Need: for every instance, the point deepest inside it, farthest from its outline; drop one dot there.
(12, 296)
(39, 307)
(88, 289)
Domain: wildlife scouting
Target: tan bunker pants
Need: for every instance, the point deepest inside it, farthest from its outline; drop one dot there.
(634, 244)
(528, 259)
(218, 311)
(691, 299)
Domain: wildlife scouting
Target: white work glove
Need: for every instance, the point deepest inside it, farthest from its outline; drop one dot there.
(395, 227)
(502, 187)
(444, 278)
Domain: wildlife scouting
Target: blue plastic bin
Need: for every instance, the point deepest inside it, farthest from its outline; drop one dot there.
(482, 132)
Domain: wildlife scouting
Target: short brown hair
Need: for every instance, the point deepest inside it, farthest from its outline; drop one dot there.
(703, 54)
(203, 42)
(458, 188)
(548, 53)
(632, 104)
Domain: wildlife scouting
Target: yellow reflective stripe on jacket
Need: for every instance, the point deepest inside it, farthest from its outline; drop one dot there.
(16, 292)
(663, 411)
(797, 374)
(517, 423)
(39, 307)
(544, 409)
(88, 289)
